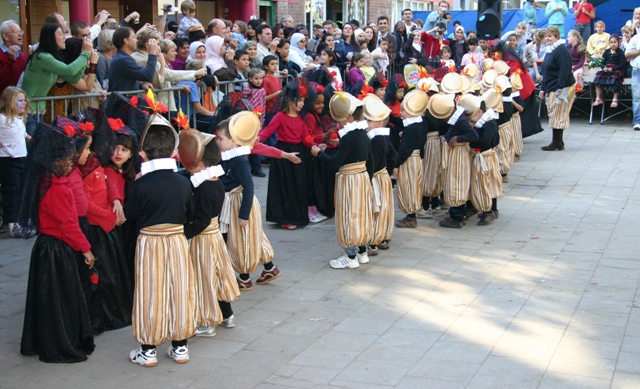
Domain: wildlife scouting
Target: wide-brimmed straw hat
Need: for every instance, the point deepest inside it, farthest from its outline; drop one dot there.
(451, 83)
(415, 102)
(487, 64)
(489, 78)
(428, 85)
(502, 83)
(492, 99)
(342, 105)
(374, 109)
(470, 103)
(191, 147)
(501, 67)
(158, 120)
(442, 106)
(516, 81)
(471, 70)
(244, 127)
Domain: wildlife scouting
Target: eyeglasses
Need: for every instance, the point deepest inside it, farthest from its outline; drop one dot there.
(19, 32)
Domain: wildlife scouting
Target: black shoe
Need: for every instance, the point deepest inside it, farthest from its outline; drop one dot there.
(258, 173)
(450, 223)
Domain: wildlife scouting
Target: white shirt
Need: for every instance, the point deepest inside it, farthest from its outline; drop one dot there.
(12, 136)
(634, 44)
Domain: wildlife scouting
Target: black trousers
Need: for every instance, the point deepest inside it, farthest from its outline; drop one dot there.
(10, 176)
(458, 213)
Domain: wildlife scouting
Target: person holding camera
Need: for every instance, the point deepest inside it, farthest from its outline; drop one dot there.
(436, 17)
(433, 40)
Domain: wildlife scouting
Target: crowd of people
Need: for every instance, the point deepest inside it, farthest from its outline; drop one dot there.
(342, 116)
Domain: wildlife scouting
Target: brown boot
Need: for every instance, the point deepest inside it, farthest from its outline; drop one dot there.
(555, 143)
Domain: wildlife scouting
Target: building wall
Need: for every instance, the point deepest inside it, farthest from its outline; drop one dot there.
(296, 10)
(37, 12)
(112, 6)
(376, 8)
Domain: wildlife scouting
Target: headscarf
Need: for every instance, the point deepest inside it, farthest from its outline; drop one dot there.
(214, 61)
(297, 55)
(193, 47)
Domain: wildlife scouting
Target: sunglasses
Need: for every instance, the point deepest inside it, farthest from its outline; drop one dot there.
(192, 10)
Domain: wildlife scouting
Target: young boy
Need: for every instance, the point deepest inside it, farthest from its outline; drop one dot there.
(409, 164)
(216, 286)
(354, 160)
(377, 115)
(188, 22)
(271, 82)
(241, 215)
(483, 47)
(164, 297)
(457, 175)
(380, 56)
(241, 62)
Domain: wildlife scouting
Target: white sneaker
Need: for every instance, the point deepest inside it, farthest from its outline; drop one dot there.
(144, 358)
(439, 212)
(422, 214)
(205, 331)
(179, 354)
(229, 322)
(318, 217)
(344, 262)
(362, 258)
(636, 127)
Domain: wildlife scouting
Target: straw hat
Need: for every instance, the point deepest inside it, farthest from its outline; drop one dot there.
(516, 81)
(489, 78)
(492, 99)
(244, 127)
(467, 84)
(487, 64)
(501, 67)
(415, 102)
(471, 70)
(374, 109)
(451, 83)
(470, 103)
(502, 83)
(342, 105)
(427, 85)
(442, 106)
(157, 120)
(191, 147)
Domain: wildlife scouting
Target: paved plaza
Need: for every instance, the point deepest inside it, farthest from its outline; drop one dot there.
(545, 297)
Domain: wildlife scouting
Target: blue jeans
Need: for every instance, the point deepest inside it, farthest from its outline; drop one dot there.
(635, 91)
(585, 30)
(32, 122)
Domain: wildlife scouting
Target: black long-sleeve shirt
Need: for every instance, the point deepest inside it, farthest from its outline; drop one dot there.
(150, 203)
(617, 59)
(488, 136)
(124, 72)
(237, 171)
(412, 52)
(507, 112)
(383, 152)
(355, 146)
(556, 70)
(413, 138)
(207, 198)
(434, 124)
(463, 130)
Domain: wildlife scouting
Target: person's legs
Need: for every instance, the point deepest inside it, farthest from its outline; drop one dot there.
(10, 174)
(635, 90)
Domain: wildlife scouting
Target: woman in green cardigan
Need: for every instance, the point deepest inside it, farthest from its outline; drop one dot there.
(45, 66)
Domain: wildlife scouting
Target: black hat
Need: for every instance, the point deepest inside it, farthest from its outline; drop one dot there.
(120, 107)
(104, 139)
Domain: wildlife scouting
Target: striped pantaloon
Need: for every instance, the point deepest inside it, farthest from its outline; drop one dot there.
(410, 184)
(383, 210)
(431, 165)
(486, 182)
(457, 176)
(354, 213)
(505, 147)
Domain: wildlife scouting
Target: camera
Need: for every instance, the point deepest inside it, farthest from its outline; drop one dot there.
(170, 8)
(414, 27)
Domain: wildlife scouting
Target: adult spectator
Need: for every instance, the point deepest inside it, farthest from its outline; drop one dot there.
(635, 22)
(371, 37)
(169, 35)
(383, 31)
(56, 18)
(351, 45)
(266, 43)
(169, 52)
(12, 61)
(402, 36)
(458, 46)
(183, 53)
(216, 27)
(330, 28)
(414, 53)
(297, 53)
(285, 65)
(584, 13)
(286, 21)
(107, 51)
(45, 66)
(436, 17)
(124, 73)
(219, 58)
(407, 20)
(252, 25)
(530, 17)
(519, 32)
(557, 78)
(555, 12)
(80, 30)
(433, 43)
(633, 53)
(83, 31)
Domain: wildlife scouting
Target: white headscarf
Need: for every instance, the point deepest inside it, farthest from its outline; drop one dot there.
(214, 60)
(193, 47)
(295, 38)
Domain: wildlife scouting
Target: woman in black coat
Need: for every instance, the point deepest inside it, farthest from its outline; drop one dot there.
(414, 51)
(558, 87)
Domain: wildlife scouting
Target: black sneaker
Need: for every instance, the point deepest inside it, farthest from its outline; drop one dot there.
(258, 173)
(450, 223)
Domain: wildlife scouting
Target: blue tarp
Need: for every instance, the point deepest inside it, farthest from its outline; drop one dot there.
(614, 14)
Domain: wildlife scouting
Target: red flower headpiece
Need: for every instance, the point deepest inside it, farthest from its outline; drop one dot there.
(115, 124)
(403, 85)
(320, 89)
(303, 92)
(86, 127)
(68, 129)
(364, 92)
(384, 82)
(156, 106)
(333, 74)
(134, 100)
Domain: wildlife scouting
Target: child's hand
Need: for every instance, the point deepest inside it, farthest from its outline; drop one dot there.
(117, 209)
(244, 223)
(322, 146)
(395, 171)
(291, 157)
(315, 150)
(89, 259)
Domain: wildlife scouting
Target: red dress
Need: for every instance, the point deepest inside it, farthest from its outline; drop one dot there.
(100, 211)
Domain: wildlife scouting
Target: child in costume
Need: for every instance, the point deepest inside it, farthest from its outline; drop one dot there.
(611, 77)
(216, 286)
(164, 304)
(287, 196)
(506, 151)
(457, 157)
(241, 215)
(354, 160)
(377, 114)
(57, 326)
(408, 168)
(518, 105)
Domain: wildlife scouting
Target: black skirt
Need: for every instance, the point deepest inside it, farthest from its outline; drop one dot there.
(56, 319)
(529, 117)
(115, 313)
(92, 292)
(287, 199)
(609, 81)
(125, 268)
(324, 185)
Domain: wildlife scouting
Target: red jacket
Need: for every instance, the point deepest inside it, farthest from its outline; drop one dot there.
(10, 71)
(79, 196)
(58, 217)
(100, 210)
(115, 185)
